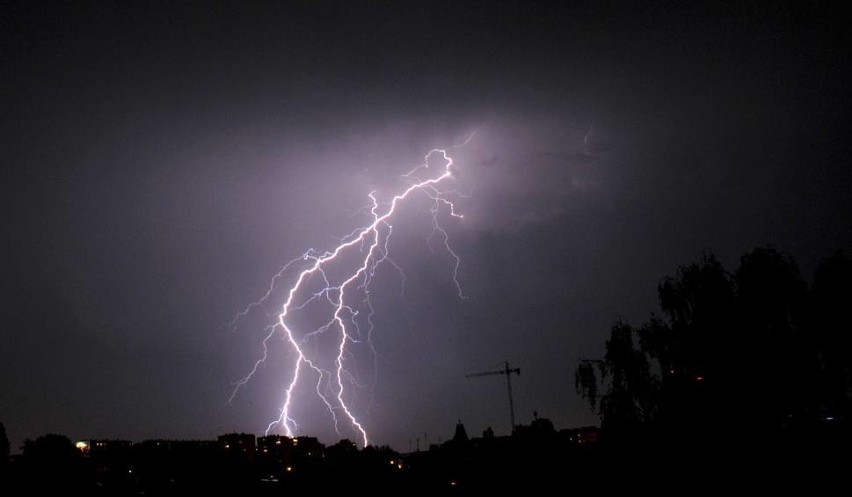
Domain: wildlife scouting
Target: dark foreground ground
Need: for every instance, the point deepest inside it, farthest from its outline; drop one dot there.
(724, 462)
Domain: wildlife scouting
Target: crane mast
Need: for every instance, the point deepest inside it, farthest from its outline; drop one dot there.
(508, 372)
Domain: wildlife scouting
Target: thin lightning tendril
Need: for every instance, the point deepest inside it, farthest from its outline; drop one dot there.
(371, 242)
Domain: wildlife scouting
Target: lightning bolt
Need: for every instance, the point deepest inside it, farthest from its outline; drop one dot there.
(368, 246)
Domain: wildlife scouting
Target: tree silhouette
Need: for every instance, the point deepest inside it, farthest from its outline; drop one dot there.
(832, 335)
(688, 342)
(769, 355)
(4, 452)
(624, 375)
(753, 345)
(51, 461)
(697, 305)
(4, 445)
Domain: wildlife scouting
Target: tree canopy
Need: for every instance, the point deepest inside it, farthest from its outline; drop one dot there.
(755, 347)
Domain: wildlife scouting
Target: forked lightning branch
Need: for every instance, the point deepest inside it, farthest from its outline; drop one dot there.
(317, 282)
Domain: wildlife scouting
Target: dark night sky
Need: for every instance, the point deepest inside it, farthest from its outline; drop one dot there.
(161, 162)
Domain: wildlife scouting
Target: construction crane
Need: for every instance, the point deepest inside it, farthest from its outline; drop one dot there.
(508, 372)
